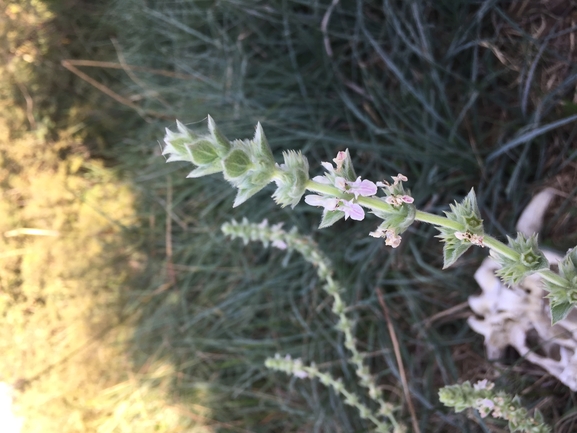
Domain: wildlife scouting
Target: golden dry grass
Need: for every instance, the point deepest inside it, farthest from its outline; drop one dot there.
(66, 264)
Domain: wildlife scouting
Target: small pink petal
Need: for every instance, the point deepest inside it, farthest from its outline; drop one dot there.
(400, 178)
(314, 200)
(341, 156)
(328, 166)
(329, 203)
(301, 374)
(322, 179)
(366, 188)
(340, 159)
(341, 183)
(281, 245)
(352, 210)
(461, 236)
(407, 199)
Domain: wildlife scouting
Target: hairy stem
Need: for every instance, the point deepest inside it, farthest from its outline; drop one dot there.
(436, 220)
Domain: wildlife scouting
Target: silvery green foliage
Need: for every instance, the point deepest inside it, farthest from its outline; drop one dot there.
(295, 367)
(456, 242)
(530, 259)
(204, 151)
(498, 404)
(247, 164)
(279, 238)
(291, 240)
(564, 297)
(292, 179)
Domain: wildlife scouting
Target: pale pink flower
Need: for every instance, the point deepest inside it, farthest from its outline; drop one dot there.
(301, 374)
(329, 203)
(391, 238)
(461, 236)
(477, 240)
(365, 187)
(340, 159)
(470, 237)
(378, 233)
(393, 200)
(341, 183)
(484, 406)
(352, 210)
(399, 178)
(398, 200)
(281, 245)
(483, 384)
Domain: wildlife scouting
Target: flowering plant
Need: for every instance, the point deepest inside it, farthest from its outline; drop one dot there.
(487, 401)
(249, 166)
(383, 418)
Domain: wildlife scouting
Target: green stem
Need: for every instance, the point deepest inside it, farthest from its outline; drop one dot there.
(436, 220)
(368, 202)
(500, 247)
(554, 278)
(323, 188)
(489, 241)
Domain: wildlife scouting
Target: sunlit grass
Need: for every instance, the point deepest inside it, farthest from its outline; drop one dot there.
(68, 257)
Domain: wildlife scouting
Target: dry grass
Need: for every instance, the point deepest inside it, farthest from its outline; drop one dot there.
(67, 260)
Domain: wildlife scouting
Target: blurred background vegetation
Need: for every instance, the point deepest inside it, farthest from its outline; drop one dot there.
(124, 308)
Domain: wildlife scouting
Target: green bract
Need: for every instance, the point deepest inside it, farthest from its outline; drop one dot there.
(178, 143)
(346, 169)
(330, 217)
(202, 152)
(564, 297)
(459, 397)
(291, 179)
(530, 259)
(236, 164)
(468, 216)
(398, 219)
(222, 144)
(247, 164)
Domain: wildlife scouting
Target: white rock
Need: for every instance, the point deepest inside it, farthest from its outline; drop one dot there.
(519, 316)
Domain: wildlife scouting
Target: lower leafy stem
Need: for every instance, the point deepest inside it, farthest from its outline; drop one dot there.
(323, 188)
